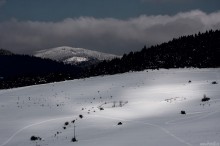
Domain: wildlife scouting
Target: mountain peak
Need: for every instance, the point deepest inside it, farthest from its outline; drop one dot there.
(72, 55)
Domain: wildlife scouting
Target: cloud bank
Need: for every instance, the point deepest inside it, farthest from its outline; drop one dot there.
(107, 35)
(2, 2)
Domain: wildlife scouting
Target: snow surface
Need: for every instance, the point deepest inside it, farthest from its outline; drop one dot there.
(73, 55)
(76, 59)
(151, 102)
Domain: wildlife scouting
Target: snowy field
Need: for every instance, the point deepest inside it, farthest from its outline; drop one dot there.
(148, 104)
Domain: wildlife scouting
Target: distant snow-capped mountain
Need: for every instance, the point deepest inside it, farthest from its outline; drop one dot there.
(75, 56)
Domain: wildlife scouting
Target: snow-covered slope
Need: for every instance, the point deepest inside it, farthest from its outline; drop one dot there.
(73, 55)
(147, 103)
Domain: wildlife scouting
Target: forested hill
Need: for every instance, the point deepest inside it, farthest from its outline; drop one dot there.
(23, 70)
(5, 52)
(199, 50)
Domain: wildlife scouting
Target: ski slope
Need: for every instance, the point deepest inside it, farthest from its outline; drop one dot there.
(148, 104)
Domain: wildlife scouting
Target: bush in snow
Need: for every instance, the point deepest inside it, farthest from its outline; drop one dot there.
(34, 138)
(214, 82)
(183, 112)
(66, 123)
(119, 123)
(81, 116)
(205, 98)
(74, 139)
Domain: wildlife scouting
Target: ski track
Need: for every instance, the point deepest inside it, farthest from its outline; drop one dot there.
(153, 125)
(179, 120)
(31, 125)
(145, 123)
(197, 117)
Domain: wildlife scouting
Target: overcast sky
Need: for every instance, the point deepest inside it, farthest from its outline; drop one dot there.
(112, 26)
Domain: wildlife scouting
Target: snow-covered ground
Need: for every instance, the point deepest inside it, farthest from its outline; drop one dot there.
(147, 103)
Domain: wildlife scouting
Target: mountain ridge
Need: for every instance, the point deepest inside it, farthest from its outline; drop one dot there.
(76, 56)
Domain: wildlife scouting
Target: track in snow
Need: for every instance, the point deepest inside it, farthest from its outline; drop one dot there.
(31, 125)
(133, 121)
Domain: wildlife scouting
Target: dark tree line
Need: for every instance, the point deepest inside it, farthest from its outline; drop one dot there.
(24, 70)
(199, 51)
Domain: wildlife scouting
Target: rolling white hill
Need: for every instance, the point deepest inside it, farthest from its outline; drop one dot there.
(151, 102)
(72, 55)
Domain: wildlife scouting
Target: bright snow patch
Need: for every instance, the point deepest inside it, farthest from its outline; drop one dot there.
(148, 105)
(76, 59)
(73, 55)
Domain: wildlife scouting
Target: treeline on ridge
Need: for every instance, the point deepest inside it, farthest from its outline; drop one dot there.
(23, 70)
(201, 50)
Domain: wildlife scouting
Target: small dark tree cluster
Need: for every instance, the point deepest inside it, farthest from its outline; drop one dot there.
(81, 116)
(119, 123)
(183, 112)
(205, 98)
(101, 108)
(34, 138)
(214, 82)
(66, 123)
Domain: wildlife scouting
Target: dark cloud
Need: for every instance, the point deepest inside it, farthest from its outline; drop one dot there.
(2, 2)
(166, 1)
(107, 35)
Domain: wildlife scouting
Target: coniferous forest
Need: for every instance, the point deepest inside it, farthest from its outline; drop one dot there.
(201, 50)
(24, 70)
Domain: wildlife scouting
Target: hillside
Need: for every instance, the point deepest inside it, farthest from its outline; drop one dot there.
(76, 56)
(5, 52)
(199, 51)
(148, 104)
(24, 70)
